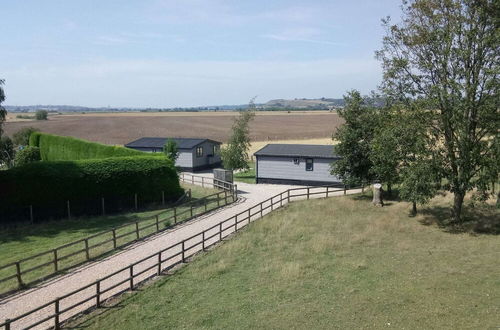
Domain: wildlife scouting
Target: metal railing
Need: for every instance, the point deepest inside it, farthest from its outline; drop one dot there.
(41, 266)
(54, 312)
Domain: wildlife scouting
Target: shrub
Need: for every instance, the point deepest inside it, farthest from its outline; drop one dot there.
(27, 155)
(6, 151)
(41, 115)
(48, 185)
(54, 147)
(22, 136)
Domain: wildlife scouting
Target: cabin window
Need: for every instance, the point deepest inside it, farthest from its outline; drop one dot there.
(296, 161)
(215, 149)
(199, 152)
(309, 164)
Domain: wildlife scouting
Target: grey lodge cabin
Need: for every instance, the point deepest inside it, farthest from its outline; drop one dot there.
(194, 154)
(299, 164)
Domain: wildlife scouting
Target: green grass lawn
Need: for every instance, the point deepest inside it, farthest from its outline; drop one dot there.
(25, 241)
(333, 263)
(247, 176)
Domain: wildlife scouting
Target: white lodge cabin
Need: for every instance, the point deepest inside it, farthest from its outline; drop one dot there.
(194, 154)
(299, 164)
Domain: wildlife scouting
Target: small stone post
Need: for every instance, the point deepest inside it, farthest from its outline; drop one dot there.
(377, 195)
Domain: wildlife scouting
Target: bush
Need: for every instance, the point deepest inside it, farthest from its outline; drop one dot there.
(48, 185)
(41, 115)
(22, 136)
(27, 155)
(6, 151)
(54, 147)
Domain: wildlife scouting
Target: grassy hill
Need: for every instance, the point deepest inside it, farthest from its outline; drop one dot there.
(332, 263)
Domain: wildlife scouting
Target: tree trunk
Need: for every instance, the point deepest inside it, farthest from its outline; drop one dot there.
(458, 201)
(389, 190)
(377, 195)
(414, 208)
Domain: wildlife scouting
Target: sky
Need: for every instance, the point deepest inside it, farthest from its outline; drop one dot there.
(165, 53)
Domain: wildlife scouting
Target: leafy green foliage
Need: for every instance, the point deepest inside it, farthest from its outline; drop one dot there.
(6, 151)
(41, 115)
(418, 183)
(27, 155)
(170, 150)
(47, 185)
(53, 148)
(355, 138)
(235, 154)
(444, 55)
(22, 136)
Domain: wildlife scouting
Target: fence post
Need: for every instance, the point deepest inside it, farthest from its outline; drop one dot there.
(131, 281)
(87, 248)
(235, 223)
(158, 271)
(218, 200)
(175, 215)
(202, 182)
(288, 195)
(98, 293)
(69, 210)
(137, 229)
(327, 190)
(192, 179)
(220, 231)
(261, 211)
(114, 238)
(249, 215)
(56, 314)
(183, 257)
(103, 206)
(18, 274)
(272, 205)
(308, 192)
(55, 261)
(362, 187)
(135, 199)
(7, 324)
(235, 195)
(206, 204)
(31, 214)
(281, 199)
(157, 224)
(191, 210)
(162, 198)
(203, 240)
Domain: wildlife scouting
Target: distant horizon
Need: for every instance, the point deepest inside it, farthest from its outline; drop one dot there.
(165, 54)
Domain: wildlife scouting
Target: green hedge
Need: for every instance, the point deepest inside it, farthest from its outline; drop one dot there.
(54, 147)
(48, 185)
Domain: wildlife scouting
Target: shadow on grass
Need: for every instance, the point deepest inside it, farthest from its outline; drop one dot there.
(483, 219)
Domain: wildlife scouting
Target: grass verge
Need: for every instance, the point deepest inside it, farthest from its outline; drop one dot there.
(322, 264)
(21, 242)
(246, 176)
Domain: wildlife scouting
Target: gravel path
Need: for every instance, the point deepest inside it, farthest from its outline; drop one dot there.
(249, 195)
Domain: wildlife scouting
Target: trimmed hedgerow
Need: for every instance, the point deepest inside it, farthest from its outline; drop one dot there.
(48, 185)
(54, 147)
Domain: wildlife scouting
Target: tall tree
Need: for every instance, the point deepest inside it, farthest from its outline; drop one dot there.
(354, 140)
(235, 154)
(446, 54)
(3, 112)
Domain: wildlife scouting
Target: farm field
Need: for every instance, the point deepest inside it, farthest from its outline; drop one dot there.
(331, 263)
(121, 128)
(24, 241)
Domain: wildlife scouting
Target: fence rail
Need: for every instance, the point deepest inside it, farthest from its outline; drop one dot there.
(92, 295)
(38, 267)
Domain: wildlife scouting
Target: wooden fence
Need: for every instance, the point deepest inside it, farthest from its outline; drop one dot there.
(38, 267)
(92, 295)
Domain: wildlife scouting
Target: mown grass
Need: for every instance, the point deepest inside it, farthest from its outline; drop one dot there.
(246, 176)
(22, 242)
(335, 263)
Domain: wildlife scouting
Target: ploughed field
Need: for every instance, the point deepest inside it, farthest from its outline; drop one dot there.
(121, 128)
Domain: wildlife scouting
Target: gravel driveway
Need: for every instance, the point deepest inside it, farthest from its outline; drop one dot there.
(249, 195)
